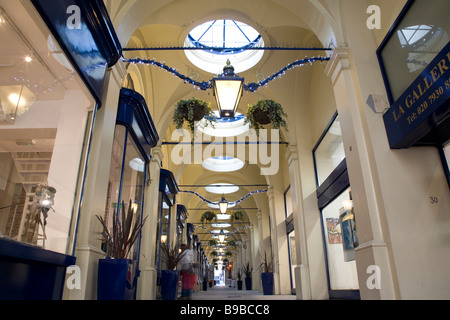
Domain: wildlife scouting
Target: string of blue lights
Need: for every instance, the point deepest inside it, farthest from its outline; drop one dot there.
(230, 203)
(205, 85)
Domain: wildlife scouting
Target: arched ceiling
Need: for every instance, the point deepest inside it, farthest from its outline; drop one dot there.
(165, 23)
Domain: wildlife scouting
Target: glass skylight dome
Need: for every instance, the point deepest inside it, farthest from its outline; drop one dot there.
(222, 40)
(225, 127)
(222, 188)
(223, 164)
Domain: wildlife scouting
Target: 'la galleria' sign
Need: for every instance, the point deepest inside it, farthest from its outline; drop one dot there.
(423, 105)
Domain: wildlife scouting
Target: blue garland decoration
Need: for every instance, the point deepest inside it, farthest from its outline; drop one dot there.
(216, 203)
(205, 85)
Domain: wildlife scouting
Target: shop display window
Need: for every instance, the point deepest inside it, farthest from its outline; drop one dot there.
(417, 38)
(340, 241)
(126, 180)
(329, 152)
(46, 115)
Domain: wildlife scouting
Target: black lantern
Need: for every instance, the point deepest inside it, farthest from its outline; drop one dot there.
(228, 90)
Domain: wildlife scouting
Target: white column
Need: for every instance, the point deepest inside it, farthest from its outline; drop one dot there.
(146, 289)
(254, 258)
(373, 249)
(302, 273)
(280, 247)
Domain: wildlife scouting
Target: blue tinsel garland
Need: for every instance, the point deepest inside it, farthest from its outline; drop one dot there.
(205, 85)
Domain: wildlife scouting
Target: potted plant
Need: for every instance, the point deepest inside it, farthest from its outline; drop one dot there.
(239, 282)
(207, 216)
(237, 215)
(117, 276)
(247, 270)
(267, 275)
(193, 110)
(232, 244)
(265, 112)
(171, 256)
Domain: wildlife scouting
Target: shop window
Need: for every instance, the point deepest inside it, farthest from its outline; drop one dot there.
(163, 228)
(329, 152)
(340, 241)
(420, 33)
(447, 154)
(45, 122)
(126, 179)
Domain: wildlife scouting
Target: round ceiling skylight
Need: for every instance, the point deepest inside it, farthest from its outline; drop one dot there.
(222, 188)
(225, 216)
(225, 127)
(220, 40)
(223, 164)
(221, 225)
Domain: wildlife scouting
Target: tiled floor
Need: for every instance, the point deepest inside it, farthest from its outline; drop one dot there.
(227, 293)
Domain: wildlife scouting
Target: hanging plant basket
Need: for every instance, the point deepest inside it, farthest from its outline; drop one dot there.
(237, 215)
(191, 111)
(208, 216)
(261, 116)
(266, 112)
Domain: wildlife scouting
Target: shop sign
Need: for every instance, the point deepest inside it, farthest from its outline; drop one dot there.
(423, 106)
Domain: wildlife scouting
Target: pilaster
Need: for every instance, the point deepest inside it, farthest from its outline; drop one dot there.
(363, 175)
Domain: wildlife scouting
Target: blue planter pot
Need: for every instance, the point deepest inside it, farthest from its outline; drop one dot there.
(248, 283)
(267, 283)
(169, 284)
(239, 284)
(116, 279)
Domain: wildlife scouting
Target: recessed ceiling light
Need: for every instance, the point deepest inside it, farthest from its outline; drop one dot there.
(28, 59)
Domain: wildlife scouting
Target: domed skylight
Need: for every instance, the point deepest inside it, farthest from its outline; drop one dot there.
(225, 127)
(222, 188)
(220, 40)
(223, 164)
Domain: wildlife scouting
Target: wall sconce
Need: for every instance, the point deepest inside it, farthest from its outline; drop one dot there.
(228, 90)
(164, 238)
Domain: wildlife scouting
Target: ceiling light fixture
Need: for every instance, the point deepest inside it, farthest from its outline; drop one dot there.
(223, 205)
(228, 90)
(221, 236)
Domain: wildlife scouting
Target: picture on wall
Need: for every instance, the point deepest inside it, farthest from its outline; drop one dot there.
(334, 231)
